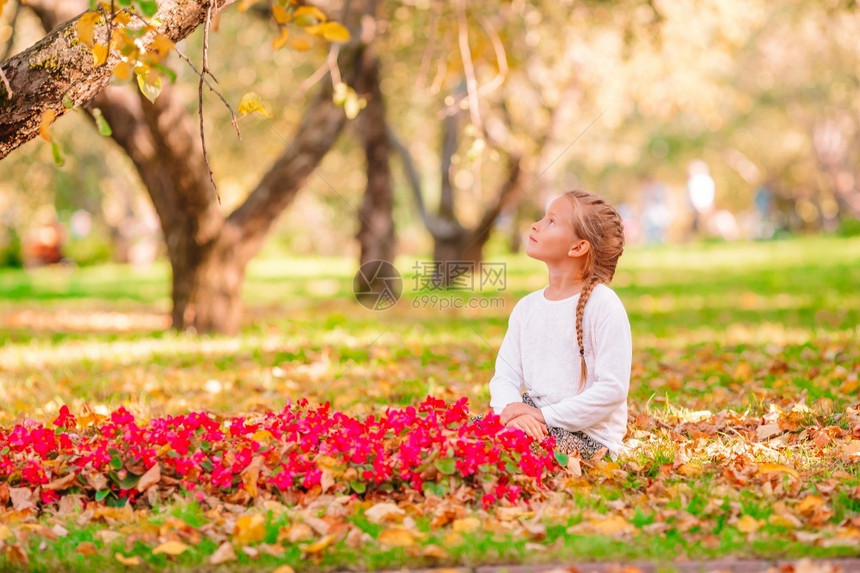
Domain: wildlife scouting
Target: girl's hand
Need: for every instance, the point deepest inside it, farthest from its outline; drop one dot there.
(530, 425)
(517, 409)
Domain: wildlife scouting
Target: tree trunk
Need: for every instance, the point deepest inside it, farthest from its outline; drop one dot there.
(59, 69)
(464, 250)
(456, 249)
(207, 285)
(376, 220)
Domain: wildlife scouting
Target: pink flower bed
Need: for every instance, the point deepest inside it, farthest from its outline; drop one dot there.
(276, 454)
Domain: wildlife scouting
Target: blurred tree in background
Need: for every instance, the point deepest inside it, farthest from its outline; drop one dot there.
(483, 110)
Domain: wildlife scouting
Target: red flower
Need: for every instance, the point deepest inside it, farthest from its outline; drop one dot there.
(65, 419)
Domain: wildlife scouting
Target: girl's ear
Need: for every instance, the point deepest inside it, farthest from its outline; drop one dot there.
(579, 249)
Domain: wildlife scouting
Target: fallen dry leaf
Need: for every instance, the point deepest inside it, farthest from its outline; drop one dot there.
(613, 526)
(434, 551)
(767, 468)
(318, 546)
(87, 548)
(384, 511)
(748, 524)
(61, 483)
(809, 504)
(511, 513)
(171, 548)
(23, 498)
(150, 478)
(249, 529)
(132, 561)
(767, 431)
(296, 533)
(466, 525)
(251, 474)
(396, 537)
(224, 554)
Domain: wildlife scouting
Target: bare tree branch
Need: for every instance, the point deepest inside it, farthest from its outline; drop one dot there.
(468, 66)
(204, 69)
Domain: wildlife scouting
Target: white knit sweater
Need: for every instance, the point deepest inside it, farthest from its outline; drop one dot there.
(539, 354)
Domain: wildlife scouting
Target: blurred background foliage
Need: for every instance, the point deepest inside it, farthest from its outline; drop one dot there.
(626, 98)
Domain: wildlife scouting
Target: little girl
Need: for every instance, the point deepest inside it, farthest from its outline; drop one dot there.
(569, 344)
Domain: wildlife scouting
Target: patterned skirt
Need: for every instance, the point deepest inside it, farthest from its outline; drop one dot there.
(572, 442)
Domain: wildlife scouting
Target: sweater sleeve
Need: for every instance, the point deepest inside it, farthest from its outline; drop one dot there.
(613, 356)
(506, 386)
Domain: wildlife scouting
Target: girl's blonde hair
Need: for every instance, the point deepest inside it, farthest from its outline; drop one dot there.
(595, 221)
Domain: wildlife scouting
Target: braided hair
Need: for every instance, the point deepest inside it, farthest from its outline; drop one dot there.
(595, 221)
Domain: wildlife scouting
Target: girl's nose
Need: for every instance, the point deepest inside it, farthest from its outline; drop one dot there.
(534, 226)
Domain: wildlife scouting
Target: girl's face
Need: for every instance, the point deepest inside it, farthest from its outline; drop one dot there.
(552, 238)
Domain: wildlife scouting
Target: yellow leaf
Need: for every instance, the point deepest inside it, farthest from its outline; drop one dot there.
(612, 526)
(281, 40)
(305, 14)
(777, 468)
(171, 548)
(284, 569)
(334, 32)
(453, 539)
(251, 474)
(162, 45)
(786, 521)
(150, 86)
(809, 504)
(280, 14)
(249, 529)
(131, 561)
(299, 43)
(123, 71)
(689, 470)
(353, 105)
(748, 524)
(251, 102)
(121, 18)
(106, 513)
(48, 117)
(743, 372)
(326, 462)
(262, 436)
(319, 545)
(5, 532)
(100, 54)
(396, 537)
(466, 525)
(86, 27)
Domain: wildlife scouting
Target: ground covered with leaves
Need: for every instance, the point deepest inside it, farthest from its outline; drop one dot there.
(331, 436)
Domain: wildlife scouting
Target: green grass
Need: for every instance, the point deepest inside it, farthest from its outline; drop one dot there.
(740, 327)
